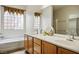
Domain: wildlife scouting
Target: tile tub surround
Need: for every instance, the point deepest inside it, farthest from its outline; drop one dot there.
(59, 40)
(11, 44)
(19, 52)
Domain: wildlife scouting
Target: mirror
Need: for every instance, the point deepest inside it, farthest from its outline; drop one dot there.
(73, 26)
(66, 19)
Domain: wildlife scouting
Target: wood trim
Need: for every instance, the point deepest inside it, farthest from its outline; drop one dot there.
(41, 46)
(33, 45)
(56, 50)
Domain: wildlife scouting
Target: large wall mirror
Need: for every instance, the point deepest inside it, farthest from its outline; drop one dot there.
(66, 19)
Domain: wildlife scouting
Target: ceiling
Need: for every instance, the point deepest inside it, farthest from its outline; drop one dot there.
(34, 8)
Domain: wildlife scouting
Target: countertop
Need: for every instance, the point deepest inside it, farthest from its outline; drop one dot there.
(59, 40)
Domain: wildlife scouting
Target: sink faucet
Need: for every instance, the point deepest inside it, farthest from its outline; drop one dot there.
(71, 37)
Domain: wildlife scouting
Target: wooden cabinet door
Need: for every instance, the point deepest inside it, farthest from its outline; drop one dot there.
(48, 48)
(30, 44)
(64, 51)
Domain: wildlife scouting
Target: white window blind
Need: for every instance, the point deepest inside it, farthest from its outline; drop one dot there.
(13, 19)
(37, 22)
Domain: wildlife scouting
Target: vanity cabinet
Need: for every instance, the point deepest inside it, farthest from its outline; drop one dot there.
(64, 51)
(37, 46)
(48, 48)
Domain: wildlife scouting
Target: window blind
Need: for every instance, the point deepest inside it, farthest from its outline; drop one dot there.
(13, 18)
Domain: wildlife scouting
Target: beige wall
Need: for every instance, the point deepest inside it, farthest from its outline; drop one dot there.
(62, 16)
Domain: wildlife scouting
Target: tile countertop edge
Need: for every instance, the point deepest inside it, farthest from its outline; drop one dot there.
(76, 50)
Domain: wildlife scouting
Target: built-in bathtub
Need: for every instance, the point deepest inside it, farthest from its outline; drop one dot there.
(11, 43)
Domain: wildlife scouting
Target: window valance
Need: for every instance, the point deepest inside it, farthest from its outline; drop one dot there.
(13, 10)
(37, 14)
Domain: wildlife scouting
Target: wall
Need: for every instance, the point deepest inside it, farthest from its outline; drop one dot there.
(0, 18)
(47, 17)
(29, 22)
(62, 16)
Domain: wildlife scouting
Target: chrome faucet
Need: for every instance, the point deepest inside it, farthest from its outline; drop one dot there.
(71, 37)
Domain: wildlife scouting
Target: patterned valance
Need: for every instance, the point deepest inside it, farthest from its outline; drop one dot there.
(37, 14)
(10, 9)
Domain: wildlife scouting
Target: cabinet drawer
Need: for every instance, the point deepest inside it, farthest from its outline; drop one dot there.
(38, 41)
(37, 48)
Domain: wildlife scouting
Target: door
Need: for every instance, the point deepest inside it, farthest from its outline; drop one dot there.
(48, 48)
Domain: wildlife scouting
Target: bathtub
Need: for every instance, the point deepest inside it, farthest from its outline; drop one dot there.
(12, 43)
